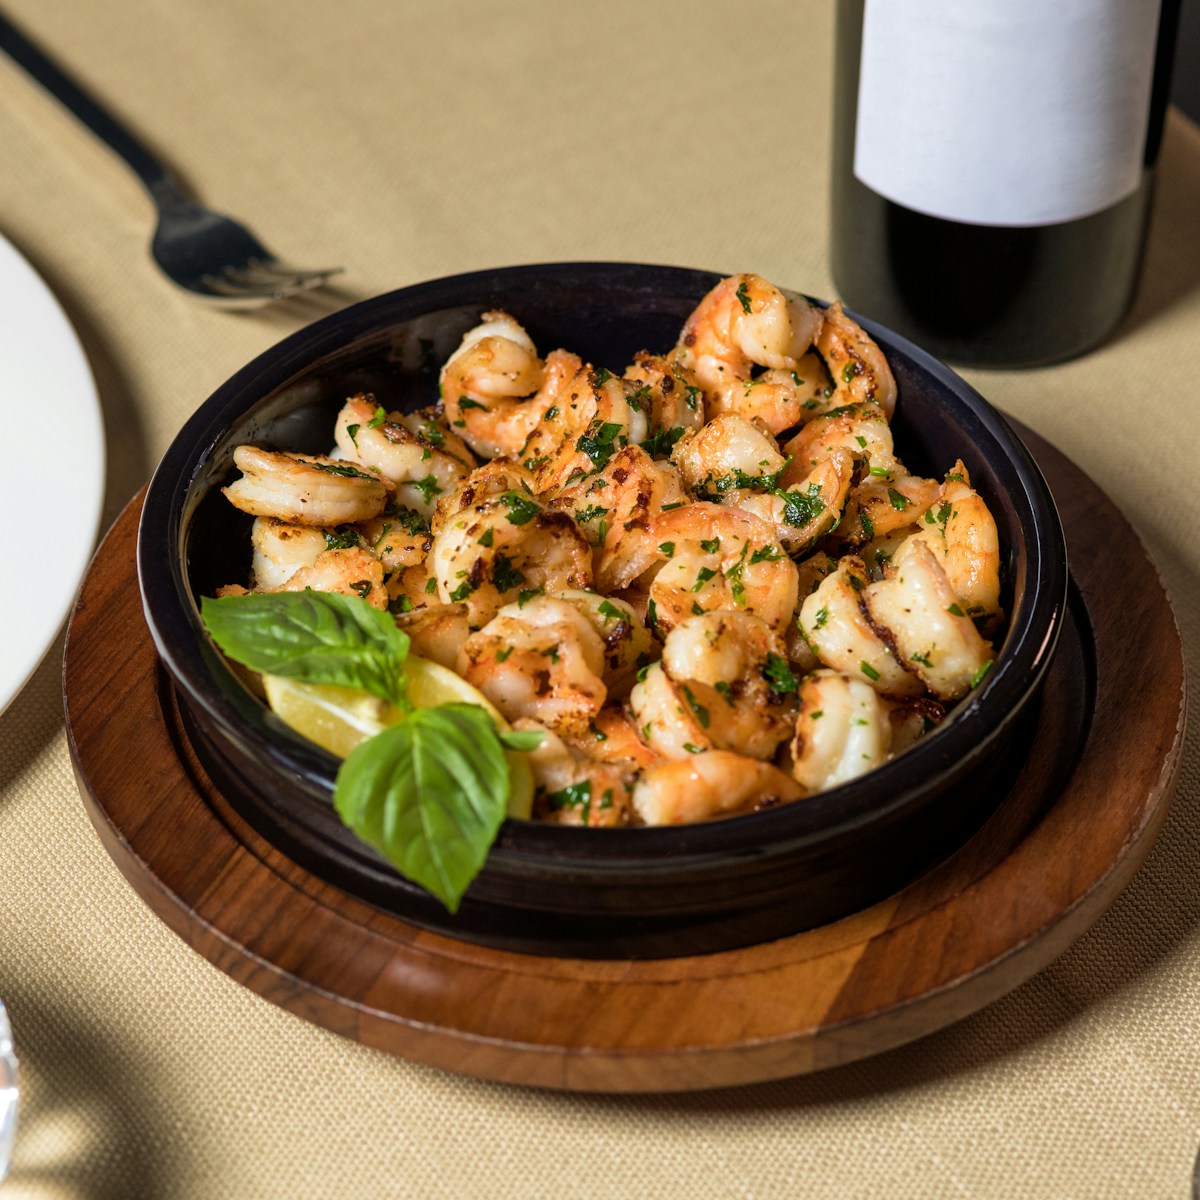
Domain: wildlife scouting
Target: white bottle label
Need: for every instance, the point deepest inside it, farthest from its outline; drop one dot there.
(1016, 112)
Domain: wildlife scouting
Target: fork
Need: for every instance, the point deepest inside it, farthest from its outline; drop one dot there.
(204, 252)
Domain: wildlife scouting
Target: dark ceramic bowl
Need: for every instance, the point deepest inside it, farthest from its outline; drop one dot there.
(549, 889)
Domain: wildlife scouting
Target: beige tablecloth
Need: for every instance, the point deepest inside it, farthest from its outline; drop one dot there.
(411, 140)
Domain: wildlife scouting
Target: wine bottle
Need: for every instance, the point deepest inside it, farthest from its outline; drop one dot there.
(993, 167)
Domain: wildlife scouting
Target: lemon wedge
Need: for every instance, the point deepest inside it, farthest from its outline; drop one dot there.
(338, 719)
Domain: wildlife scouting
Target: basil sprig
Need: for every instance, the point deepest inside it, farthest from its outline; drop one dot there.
(430, 795)
(430, 792)
(316, 637)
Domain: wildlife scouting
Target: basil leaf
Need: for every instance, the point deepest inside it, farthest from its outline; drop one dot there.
(521, 739)
(430, 794)
(316, 637)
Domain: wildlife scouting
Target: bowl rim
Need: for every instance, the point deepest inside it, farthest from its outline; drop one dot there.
(880, 795)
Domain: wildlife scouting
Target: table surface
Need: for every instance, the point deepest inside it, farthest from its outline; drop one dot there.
(412, 141)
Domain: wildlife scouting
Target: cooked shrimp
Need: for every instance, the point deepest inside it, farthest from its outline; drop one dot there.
(927, 626)
(877, 507)
(744, 322)
(490, 552)
(412, 588)
(304, 489)
(858, 428)
(280, 549)
(911, 720)
(488, 386)
(412, 450)
(627, 642)
(591, 419)
(574, 789)
(857, 366)
(805, 512)
(614, 508)
(542, 660)
(484, 483)
(843, 731)
(399, 537)
(613, 737)
(671, 398)
(352, 572)
(437, 631)
(959, 528)
(717, 783)
(811, 571)
(723, 682)
(715, 557)
(837, 626)
(729, 452)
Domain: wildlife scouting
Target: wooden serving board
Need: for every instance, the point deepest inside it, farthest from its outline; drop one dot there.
(1069, 836)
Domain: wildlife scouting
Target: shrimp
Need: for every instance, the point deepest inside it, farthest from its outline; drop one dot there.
(723, 682)
(918, 608)
(437, 631)
(543, 660)
(399, 537)
(729, 452)
(412, 589)
(509, 545)
(857, 366)
(488, 386)
(744, 322)
(412, 450)
(843, 636)
(352, 572)
(858, 428)
(280, 549)
(304, 489)
(574, 789)
(612, 737)
(590, 421)
(614, 508)
(805, 512)
(876, 508)
(717, 783)
(484, 483)
(958, 527)
(671, 398)
(627, 641)
(719, 558)
(811, 571)
(843, 731)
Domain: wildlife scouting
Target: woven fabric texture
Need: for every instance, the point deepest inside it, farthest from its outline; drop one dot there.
(415, 140)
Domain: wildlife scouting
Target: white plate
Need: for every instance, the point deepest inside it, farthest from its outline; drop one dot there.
(51, 469)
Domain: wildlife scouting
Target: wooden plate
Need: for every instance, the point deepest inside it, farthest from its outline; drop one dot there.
(1078, 822)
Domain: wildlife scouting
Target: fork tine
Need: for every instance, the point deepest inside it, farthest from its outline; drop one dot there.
(251, 283)
(228, 286)
(272, 266)
(278, 280)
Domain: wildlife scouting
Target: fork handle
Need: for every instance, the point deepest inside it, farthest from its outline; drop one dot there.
(22, 51)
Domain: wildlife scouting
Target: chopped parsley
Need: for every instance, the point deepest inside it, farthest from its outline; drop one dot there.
(505, 576)
(599, 441)
(660, 445)
(779, 675)
(521, 509)
(696, 707)
(428, 487)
